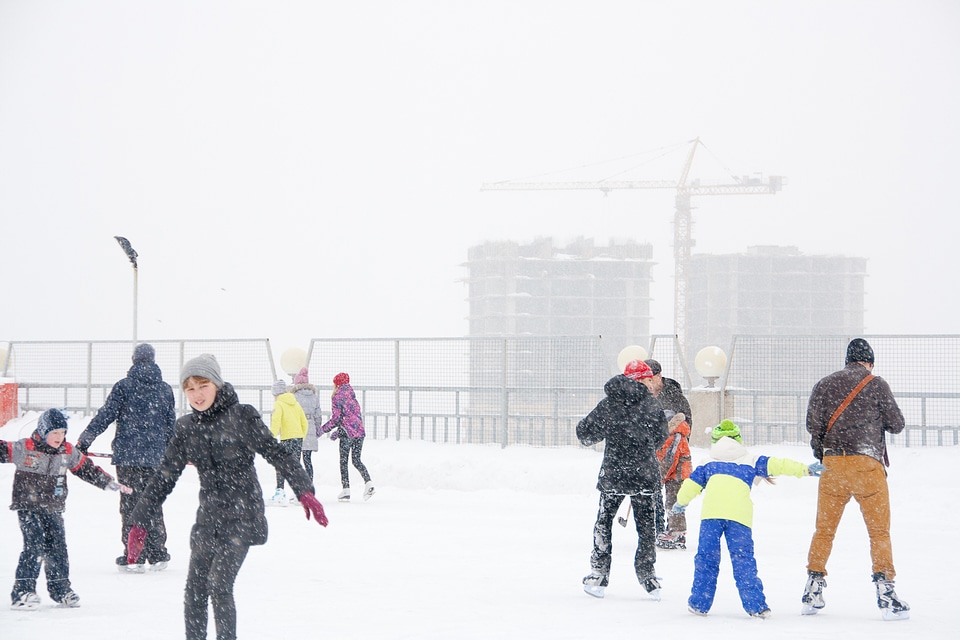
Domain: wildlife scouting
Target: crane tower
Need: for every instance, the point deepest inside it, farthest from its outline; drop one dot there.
(682, 218)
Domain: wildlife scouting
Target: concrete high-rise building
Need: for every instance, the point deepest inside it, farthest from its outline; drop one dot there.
(772, 291)
(540, 289)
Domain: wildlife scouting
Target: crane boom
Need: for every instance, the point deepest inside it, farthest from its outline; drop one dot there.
(682, 240)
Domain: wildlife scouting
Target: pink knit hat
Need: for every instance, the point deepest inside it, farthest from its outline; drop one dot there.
(302, 377)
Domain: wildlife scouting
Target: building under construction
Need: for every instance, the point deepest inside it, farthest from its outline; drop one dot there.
(541, 289)
(773, 291)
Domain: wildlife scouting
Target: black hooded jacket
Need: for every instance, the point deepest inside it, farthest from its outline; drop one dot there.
(221, 443)
(631, 423)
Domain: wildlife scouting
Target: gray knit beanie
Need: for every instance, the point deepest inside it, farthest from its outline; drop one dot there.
(144, 353)
(203, 366)
(279, 387)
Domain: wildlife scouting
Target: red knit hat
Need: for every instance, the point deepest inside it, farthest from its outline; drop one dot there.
(637, 370)
(341, 379)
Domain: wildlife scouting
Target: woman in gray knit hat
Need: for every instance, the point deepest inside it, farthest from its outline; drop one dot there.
(220, 439)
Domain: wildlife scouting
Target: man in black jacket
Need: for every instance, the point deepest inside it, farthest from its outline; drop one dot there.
(631, 423)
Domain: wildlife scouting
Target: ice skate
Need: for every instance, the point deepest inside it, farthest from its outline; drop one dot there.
(26, 602)
(595, 585)
(279, 498)
(123, 567)
(652, 586)
(69, 600)
(763, 615)
(368, 490)
(344, 495)
(891, 606)
(813, 593)
(158, 566)
(672, 540)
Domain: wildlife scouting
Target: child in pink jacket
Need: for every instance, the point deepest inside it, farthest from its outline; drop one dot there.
(346, 423)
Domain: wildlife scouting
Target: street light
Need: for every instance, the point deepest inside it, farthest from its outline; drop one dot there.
(132, 254)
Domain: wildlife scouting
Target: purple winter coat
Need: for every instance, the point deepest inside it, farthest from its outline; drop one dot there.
(345, 413)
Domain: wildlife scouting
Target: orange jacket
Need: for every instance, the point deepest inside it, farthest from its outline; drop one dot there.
(679, 434)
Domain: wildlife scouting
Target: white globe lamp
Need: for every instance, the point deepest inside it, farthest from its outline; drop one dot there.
(710, 364)
(292, 360)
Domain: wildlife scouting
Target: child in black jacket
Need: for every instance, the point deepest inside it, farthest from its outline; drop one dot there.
(220, 439)
(39, 498)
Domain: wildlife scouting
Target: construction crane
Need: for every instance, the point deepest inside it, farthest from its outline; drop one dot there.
(682, 218)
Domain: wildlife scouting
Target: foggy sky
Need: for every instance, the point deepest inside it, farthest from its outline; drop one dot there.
(302, 169)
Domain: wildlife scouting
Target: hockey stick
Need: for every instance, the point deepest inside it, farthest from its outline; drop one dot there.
(94, 454)
(623, 519)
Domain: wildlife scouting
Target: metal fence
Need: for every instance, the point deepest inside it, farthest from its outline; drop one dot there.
(77, 376)
(768, 381)
(518, 390)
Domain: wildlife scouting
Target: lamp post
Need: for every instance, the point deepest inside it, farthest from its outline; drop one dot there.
(132, 254)
(709, 402)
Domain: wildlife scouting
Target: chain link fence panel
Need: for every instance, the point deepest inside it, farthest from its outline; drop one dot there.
(769, 379)
(515, 390)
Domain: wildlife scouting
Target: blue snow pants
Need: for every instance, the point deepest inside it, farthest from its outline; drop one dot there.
(707, 565)
(44, 542)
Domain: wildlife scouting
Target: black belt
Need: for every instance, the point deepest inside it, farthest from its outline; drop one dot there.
(842, 452)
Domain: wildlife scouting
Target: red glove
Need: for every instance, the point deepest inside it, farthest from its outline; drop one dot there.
(135, 540)
(312, 505)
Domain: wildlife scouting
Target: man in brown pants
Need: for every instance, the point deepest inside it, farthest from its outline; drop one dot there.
(849, 413)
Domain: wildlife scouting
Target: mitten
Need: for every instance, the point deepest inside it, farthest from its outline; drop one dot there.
(678, 508)
(138, 535)
(116, 486)
(312, 506)
(334, 434)
(82, 448)
(815, 469)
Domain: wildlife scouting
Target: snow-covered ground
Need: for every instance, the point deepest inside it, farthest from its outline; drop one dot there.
(483, 542)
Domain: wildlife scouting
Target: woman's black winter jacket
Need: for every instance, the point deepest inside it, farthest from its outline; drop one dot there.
(221, 443)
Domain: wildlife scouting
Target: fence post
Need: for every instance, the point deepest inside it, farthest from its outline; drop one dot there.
(89, 379)
(504, 412)
(396, 383)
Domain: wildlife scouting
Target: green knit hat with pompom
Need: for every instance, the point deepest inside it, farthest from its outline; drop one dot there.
(726, 429)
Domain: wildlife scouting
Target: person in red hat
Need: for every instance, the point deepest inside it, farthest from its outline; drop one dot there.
(346, 423)
(631, 424)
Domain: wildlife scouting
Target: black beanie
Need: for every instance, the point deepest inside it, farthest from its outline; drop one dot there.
(859, 350)
(654, 366)
(51, 420)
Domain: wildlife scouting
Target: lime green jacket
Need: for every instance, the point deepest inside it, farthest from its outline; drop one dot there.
(727, 479)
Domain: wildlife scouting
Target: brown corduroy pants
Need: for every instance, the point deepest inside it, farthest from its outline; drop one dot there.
(865, 480)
